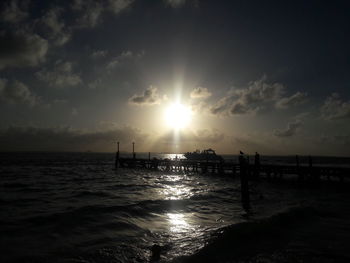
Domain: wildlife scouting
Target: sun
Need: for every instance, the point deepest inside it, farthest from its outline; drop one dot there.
(178, 116)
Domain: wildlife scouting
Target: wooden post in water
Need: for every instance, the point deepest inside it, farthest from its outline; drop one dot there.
(311, 172)
(117, 156)
(133, 151)
(300, 174)
(244, 182)
(256, 165)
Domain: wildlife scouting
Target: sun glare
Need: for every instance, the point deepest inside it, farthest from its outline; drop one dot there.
(177, 116)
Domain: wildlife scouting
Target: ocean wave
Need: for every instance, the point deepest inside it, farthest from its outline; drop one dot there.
(14, 185)
(243, 240)
(90, 213)
(88, 193)
(131, 186)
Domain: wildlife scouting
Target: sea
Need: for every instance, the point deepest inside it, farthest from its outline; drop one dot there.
(76, 207)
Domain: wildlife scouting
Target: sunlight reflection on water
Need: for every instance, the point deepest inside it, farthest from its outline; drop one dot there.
(176, 192)
(176, 189)
(177, 222)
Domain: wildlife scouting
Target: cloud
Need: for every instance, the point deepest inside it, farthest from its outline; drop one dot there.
(257, 97)
(96, 83)
(200, 92)
(252, 99)
(60, 101)
(75, 112)
(199, 106)
(117, 6)
(61, 76)
(292, 128)
(201, 136)
(149, 97)
(90, 11)
(336, 139)
(16, 138)
(335, 108)
(20, 49)
(99, 54)
(294, 100)
(206, 135)
(124, 57)
(15, 92)
(13, 11)
(175, 3)
(55, 28)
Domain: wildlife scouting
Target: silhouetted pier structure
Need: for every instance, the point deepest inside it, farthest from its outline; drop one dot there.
(244, 169)
(253, 171)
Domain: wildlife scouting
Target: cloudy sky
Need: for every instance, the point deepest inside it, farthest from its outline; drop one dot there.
(267, 76)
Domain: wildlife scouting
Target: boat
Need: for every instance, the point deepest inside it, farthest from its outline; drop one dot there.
(208, 154)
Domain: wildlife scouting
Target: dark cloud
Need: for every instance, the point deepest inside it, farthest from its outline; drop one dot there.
(60, 76)
(117, 6)
(95, 83)
(99, 54)
(16, 92)
(90, 11)
(290, 130)
(200, 92)
(55, 27)
(66, 139)
(149, 97)
(175, 3)
(335, 108)
(20, 49)
(14, 11)
(258, 96)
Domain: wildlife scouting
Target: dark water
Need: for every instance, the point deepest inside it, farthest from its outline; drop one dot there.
(73, 207)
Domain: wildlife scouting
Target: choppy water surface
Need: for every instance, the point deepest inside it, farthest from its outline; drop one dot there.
(75, 207)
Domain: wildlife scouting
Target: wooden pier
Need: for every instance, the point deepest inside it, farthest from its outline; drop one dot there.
(303, 172)
(243, 168)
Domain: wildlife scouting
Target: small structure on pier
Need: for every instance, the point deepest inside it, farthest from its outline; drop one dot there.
(208, 154)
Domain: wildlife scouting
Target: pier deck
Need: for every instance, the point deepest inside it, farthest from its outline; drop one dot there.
(231, 168)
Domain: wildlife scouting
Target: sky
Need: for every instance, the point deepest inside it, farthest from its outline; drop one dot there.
(266, 76)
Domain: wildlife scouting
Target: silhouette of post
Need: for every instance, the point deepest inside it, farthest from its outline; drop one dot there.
(313, 177)
(297, 160)
(149, 156)
(244, 182)
(117, 156)
(310, 161)
(257, 164)
(300, 174)
(133, 150)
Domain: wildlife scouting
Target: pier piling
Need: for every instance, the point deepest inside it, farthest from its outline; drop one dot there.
(133, 151)
(117, 157)
(244, 182)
